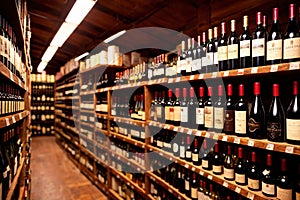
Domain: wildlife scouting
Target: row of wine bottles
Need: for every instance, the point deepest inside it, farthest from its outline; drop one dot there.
(11, 100)
(42, 92)
(10, 156)
(231, 118)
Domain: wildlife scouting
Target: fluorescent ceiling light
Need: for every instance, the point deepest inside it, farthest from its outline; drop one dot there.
(49, 53)
(111, 38)
(63, 34)
(81, 56)
(79, 10)
(42, 66)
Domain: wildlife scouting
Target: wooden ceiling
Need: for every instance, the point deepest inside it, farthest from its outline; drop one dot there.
(108, 17)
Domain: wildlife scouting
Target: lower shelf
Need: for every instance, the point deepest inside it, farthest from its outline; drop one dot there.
(15, 181)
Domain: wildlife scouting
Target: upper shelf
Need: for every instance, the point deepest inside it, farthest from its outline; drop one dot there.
(68, 75)
(11, 119)
(101, 68)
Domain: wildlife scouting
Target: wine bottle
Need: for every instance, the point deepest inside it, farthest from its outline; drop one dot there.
(229, 112)
(154, 104)
(200, 110)
(217, 163)
(206, 160)
(194, 187)
(168, 107)
(187, 184)
(188, 151)
(210, 50)
(256, 122)
(198, 56)
(209, 111)
(233, 48)
(245, 45)
(229, 165)
(201, 190)
(291, 42)
(293, 117)
(176, 109)
(219, 112)
(194, 58)
(240, 169)
(189, 58)
(215, 41)
(195, 153)
(268, 179)
(275, 118)
(203, 56)
(183, 59)
(192, 106)
(274, 43)
(223, 49)
(258, 43)
(241, 114)
(160, 110)
(284, 183)
(254, 179)
(184, 109)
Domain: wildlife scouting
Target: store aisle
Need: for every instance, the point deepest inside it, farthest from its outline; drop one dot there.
(54, 176)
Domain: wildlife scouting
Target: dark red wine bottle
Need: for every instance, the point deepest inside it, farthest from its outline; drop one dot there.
(210, 50)
(176, 106)
(169, 107)
(219, 111)
(245, 45)
(241, 114)
(254, 174)
(184, 109)
(192, 105)
(195, 153)
(268, 179)
(274, 44)
(276, 118)
(284, 183)
(206, 160)
(240, 169)
(291, 47)
(256, 122)
(194, 187)
(209, 111)
(223, 49)
(233, 48)
(229, 112)
(293, 118)
(229, 165)
(217, 162)
(200, 110)
(203, 55)
(259, 42)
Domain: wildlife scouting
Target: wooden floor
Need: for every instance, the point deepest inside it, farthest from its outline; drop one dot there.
(54, 176)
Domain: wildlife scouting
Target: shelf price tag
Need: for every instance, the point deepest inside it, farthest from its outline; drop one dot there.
(225, 184)
(226, 73)
(238, 190)
(20, 116)
(193, 169)
(294, 65)
(250, 195)
(171, 80)
(289, 149)
(274, 68)
(254, 70)
(169, 190)
(207, 135)
(214, 74)
(175, 129)
(7, 121)
(201, 76)
(13, 119)
(216, 136)
(190, 132)
(209, 177)
(11, 76)
(186, 166)
(225, 138)
(182, 130)
(198, 133)
(250, 143)
(201, 173)
(192, 77)
(237, 140)
(270, 147)
(178, 79)
(240, 72)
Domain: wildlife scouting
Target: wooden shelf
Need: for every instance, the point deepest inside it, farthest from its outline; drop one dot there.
(87, 93)
(68, 75)
(21, 193)
(12, 77)
(90, 124)
(11, 119)
(164, 184)
(15, 181)
(60, 132)
(140, 168)
(68, 118)
(127, 139)
(262, 144)
(65, 86)
(242, 190)
(67, 98)
(101, 67)
(114, 195)
(88, 111)
(63, 106)
(128, 121)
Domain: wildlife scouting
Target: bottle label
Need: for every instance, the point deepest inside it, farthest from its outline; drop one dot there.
(175, 147)
(222, 53)
(216, 58)
(171, 113)
(217, 169)
(199, 64)
(209, 116)
(187, 185)
(167, 145)
(188, 154)
(167, 113)
(240, 122)
(194, 65)
(184, 114)
(258, 47)
(268, 188)
(240, 178)
(205, 163)
(229, 121)
(188, 65)
(200, 196)
(170, 71)
(293, 129)
(253, 125)
(274, 49)
(245, 48)
(159, 143)
(195, 157)
(291, 48)
(194, 193)
(274, 130)
(219, 118)
(210, 58)
(199, 115)
(253, 184)
(229, 173)
(233, 51)
(177, 114)
(182, 151)
(285, 194)
(158, 112)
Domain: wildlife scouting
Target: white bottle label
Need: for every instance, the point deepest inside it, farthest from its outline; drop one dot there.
(184, 114)
(219, 118)
(182, 151)
(229, 173)
(217, 169)
(240, 178)
(216, 58)
(210, 58)
(187, 185)
(222, 53)
(175, 147)
(291, 48)
(209, 116)
(285, 194)
(201, 196)
(274, 49)
(188, 65)
(233, 51)
(188, 154)
(245, 48)
(194, 193)
(254, 184)
(167, 113)
(258, 47)
(205, 163)
(171, 113)
(268, 188)
(158, 112)
(195, 157)
(240, 122)
(293, 129)
(199, 115)
(159, 143)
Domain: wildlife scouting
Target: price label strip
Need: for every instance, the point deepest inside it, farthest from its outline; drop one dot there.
(225, 138)
(214, 75)
(270, 147)
(289, 149)
(13, 119)
(7, 121)
(250, 143)
(237, 140)
(254, 70)
(192, 77)
(294, 65)
(241, 72)
(274, 68)
(226, 73)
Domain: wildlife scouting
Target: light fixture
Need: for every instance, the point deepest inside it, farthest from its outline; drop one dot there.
(49, 53)
(111, 38)
(42, 66)
(81, 56)
(63, 34)
(79, 10)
